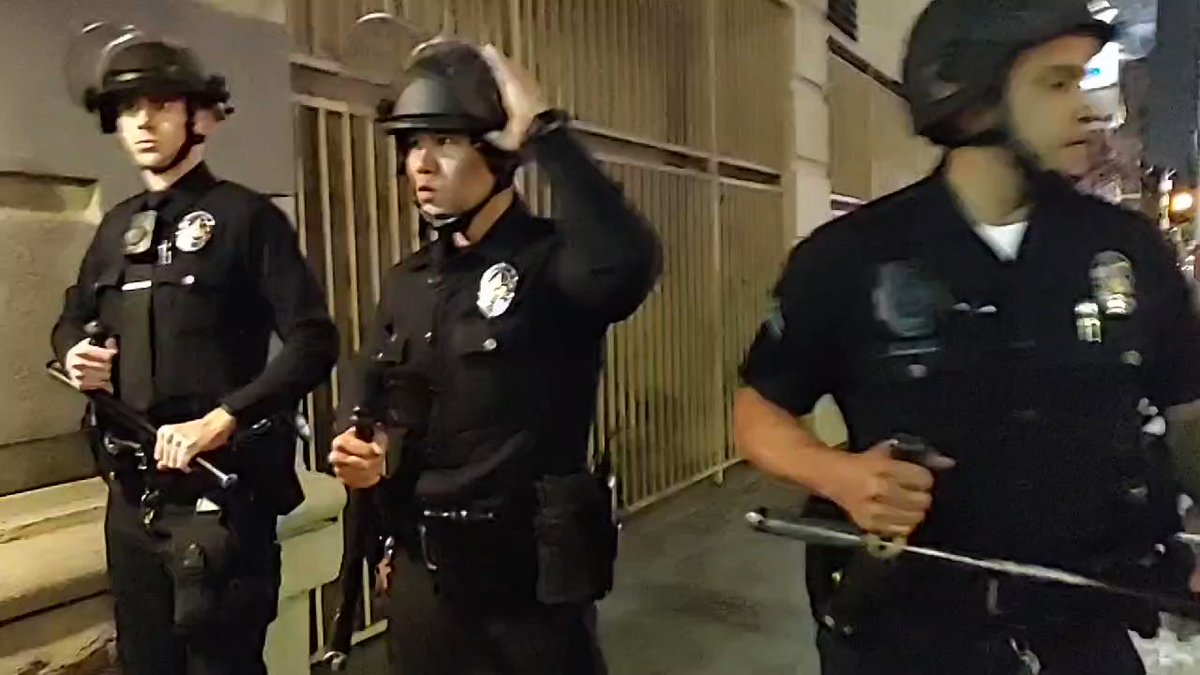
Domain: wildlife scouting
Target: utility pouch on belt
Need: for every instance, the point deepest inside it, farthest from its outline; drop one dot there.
(479, 554)
(576, 533)
(197, 550)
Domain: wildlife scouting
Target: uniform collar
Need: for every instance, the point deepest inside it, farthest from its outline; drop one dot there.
(513, 230)
(190, 187)
(940, 214)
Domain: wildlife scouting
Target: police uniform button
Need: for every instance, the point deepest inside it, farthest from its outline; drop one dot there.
(189, 280)
(489, 344)
(435, 235)
(829, 622)
(918, 370)
(1132, 358)
(433, 280)
(429, 336)
(379, 355)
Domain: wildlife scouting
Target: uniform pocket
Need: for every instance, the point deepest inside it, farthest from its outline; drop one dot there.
(576, 539)
(193, 293)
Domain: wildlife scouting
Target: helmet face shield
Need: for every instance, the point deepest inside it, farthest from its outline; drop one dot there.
(107, 66)
(87, 54)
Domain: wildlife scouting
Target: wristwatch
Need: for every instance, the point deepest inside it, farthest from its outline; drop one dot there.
(546, 122)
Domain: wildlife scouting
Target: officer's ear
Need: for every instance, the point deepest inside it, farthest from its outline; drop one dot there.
(976, 120)
(206, 121)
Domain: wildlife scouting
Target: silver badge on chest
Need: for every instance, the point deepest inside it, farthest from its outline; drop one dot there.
(1113, 283)
(140, 234)
(194, 231)
(497, 288)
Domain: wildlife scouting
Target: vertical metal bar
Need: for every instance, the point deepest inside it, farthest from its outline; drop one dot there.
(351, 222)
(373, 206)
(517, 36)
(659, 354)
(326, 224)
(680, 421)
(393, 201)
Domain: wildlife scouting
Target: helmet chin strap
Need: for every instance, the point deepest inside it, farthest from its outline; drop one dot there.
(447, 225)
(191, 140)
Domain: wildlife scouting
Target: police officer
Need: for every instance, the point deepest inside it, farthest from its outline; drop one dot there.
(1011, 325)
(190, 279)
(502, 317)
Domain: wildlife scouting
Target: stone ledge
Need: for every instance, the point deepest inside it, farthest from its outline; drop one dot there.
(77, 639)
(52, 540)
(27, 514)
(52, 569)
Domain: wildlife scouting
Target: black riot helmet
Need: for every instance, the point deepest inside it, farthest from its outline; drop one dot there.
(960, 52)
(140, 66)
(449, 88)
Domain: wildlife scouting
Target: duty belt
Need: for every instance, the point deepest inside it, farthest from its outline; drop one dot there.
(459, 516)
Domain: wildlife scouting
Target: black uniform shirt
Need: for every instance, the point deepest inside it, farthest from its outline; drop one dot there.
(212, 309)
(910, 320)
(508, 333)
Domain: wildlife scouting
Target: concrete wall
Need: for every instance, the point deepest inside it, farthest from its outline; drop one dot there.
(882, 31)
(57, 174)
(810, 161)
(873, 149)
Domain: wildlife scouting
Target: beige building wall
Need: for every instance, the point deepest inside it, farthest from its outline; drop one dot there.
(873, 149)
(809, 178)
(882, 31)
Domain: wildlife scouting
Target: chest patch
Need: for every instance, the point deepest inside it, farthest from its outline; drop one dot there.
(1113, 283)
(497, 289)
(194, 231)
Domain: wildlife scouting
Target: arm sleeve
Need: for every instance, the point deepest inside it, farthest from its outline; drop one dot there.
(79, 302)
(610, 257)
(793, 360)
(1174, 371)
(359, 368)
(310, 339)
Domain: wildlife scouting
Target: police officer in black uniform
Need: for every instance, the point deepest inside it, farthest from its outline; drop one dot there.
(507, 538)
(1009, 326)
(190, 279)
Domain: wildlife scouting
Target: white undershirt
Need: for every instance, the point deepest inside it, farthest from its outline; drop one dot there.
(1005, 240)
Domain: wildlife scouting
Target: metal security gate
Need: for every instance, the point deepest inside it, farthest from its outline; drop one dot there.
(685, 102)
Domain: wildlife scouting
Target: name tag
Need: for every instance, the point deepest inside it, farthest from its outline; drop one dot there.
(137, 285)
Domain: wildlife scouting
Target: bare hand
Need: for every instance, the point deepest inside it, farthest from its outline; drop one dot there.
(358, 464)
(883, 495)
(521, 95)
(90, 367)
(178, 444)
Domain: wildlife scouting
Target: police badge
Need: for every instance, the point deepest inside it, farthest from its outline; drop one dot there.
(139, 236)
(1113, 283)
(497, 288)
(194, 231)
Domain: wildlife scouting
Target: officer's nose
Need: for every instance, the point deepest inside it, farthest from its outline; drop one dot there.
(423, 161)
(141, 116)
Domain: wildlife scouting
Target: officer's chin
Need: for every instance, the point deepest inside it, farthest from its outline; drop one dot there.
(1073, 160)
(148, 160)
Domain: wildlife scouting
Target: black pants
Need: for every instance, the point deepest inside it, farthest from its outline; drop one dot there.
(429, 635)
(917, 647)
(147, 643)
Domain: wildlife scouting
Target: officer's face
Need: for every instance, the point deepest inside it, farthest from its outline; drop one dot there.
(1050, 112)
(447, 173)
(153, 129)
